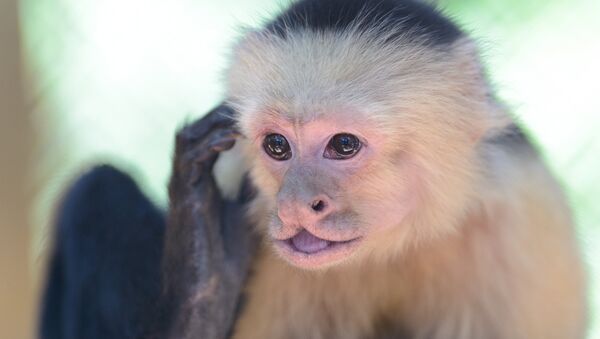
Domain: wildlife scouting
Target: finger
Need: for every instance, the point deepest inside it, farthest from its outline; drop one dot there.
(224, 141)
(206, 152)
(220, 117)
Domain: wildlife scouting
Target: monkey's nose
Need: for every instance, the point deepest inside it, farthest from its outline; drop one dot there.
(318, 206)
(301, 212)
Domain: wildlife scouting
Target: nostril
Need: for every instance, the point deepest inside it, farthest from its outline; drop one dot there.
(318, 205)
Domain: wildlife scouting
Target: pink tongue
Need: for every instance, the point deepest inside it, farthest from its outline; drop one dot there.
(308, 243)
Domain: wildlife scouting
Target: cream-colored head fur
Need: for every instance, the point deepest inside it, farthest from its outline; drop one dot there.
(430, 104)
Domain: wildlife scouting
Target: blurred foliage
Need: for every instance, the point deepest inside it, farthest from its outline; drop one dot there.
(112, 80)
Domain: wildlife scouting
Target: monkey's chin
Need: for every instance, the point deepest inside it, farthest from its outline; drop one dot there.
(308, 251)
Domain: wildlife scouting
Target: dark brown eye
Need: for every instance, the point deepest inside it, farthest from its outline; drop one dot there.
(277, 147)
(342, 146)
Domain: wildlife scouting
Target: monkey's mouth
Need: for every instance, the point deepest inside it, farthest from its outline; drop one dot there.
(307, 250)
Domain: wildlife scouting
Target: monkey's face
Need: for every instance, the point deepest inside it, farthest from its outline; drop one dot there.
(359, 148)
(328, 184)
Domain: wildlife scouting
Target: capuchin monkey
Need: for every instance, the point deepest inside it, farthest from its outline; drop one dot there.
(388, 195)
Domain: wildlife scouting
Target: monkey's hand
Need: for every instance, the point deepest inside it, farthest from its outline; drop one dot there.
(208, 244)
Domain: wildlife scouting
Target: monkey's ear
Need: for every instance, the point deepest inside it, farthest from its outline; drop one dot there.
(496, 122)
(493, 120)
(490, 115)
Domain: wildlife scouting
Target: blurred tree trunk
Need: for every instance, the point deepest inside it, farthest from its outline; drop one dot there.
(16, 140)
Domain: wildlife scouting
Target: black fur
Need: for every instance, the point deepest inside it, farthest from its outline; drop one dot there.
(337, 15)
(104, 273)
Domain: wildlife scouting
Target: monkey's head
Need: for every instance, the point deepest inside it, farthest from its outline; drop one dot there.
(362, 138)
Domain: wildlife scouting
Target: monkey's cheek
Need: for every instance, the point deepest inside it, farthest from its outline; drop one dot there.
(332, 254)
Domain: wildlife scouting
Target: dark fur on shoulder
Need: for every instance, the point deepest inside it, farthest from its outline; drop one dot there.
(104, 273)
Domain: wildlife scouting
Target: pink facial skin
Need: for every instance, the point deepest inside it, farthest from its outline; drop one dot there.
(351, 214)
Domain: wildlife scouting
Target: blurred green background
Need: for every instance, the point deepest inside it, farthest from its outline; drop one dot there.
(111, 80)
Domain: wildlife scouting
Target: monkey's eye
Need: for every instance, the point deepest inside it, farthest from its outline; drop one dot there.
(277, 147)
(342, 146)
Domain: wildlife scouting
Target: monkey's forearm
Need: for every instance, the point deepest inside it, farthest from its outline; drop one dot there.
(202, 276)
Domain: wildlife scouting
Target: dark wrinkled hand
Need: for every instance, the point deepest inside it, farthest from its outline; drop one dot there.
(208, 245)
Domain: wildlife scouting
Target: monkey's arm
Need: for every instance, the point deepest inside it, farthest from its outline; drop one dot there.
(104, 274)
(208, 244)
